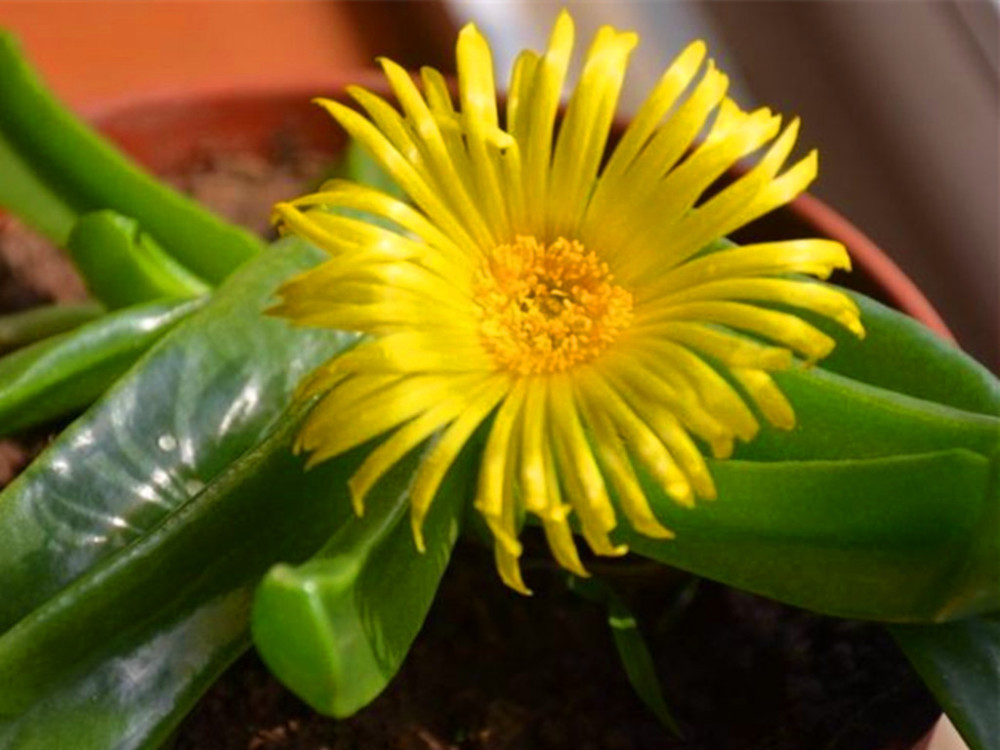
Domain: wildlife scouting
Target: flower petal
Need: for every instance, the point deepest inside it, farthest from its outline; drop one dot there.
(440, 457)
(783, 328)
(543, 95)
(579, 470)
(584, 130)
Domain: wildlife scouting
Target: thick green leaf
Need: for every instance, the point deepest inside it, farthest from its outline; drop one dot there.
(900, 354)
(907, 538)
(23, 328)
(123, 265)
(960, 662)
(114, 660)
(202, 397)
(837, 417)
(54, 169)
(65, 373)
(336, 630)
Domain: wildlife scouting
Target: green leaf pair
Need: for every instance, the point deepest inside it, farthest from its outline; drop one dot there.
(132, 545)
(99, 540)
(123, 265)
(55, 170)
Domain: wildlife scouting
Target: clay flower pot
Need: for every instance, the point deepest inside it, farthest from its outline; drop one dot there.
(164, 130)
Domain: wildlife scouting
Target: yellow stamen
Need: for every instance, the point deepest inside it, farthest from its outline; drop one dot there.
(547, 308)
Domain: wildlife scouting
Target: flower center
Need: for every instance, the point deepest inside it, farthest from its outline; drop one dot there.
(546, 308)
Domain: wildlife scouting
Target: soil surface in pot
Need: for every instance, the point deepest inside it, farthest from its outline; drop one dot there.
(493, 670)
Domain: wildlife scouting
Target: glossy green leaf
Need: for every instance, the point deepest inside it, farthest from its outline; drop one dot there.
(336, 630)
(202, 397)
(54, 169)
(123, 266)
(632, 649)
(960, 662)
(115, 659)
(23, 328)
(906, 538)
(63, 374)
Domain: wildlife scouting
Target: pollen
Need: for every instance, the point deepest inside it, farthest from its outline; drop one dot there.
(546, 308)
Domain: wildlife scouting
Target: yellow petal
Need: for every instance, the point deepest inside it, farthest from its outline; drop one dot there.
(339, 423)
(818, 298)
(814, 257)
(730, 348)
(493, 468)
(535, 492)
(349, 391)
(505, 526)
(401, 170)
(644, 253)
(339, 193)
(768, 397)
(557, 530)
(439, 458)
(607, 225)
(783, 328)
(601, 397)
(584, 130)
(618, 468)
(521, 87)
(441, 163)
(676, 78)
(536, 146)
(477, 92)
(713, 392)
(579, 470)
(420, 351)
(664, 416)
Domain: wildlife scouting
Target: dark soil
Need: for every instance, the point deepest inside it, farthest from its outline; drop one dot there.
(493, 670)
(496, 671)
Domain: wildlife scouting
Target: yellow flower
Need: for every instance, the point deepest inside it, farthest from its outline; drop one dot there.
(574, 297)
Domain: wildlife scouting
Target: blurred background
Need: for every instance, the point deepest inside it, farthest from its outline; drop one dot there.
(900, 96)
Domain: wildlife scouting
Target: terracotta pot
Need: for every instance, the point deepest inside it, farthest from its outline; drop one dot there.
(164, 130)
(80, 46)
(943, 736)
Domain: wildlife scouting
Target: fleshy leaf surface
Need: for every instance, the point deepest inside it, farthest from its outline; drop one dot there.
(123, 266)
(900, 354)
(25, 327)
(114, 660)
(882, 539)
(336, 629)
(206, 394)
(65, 373)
